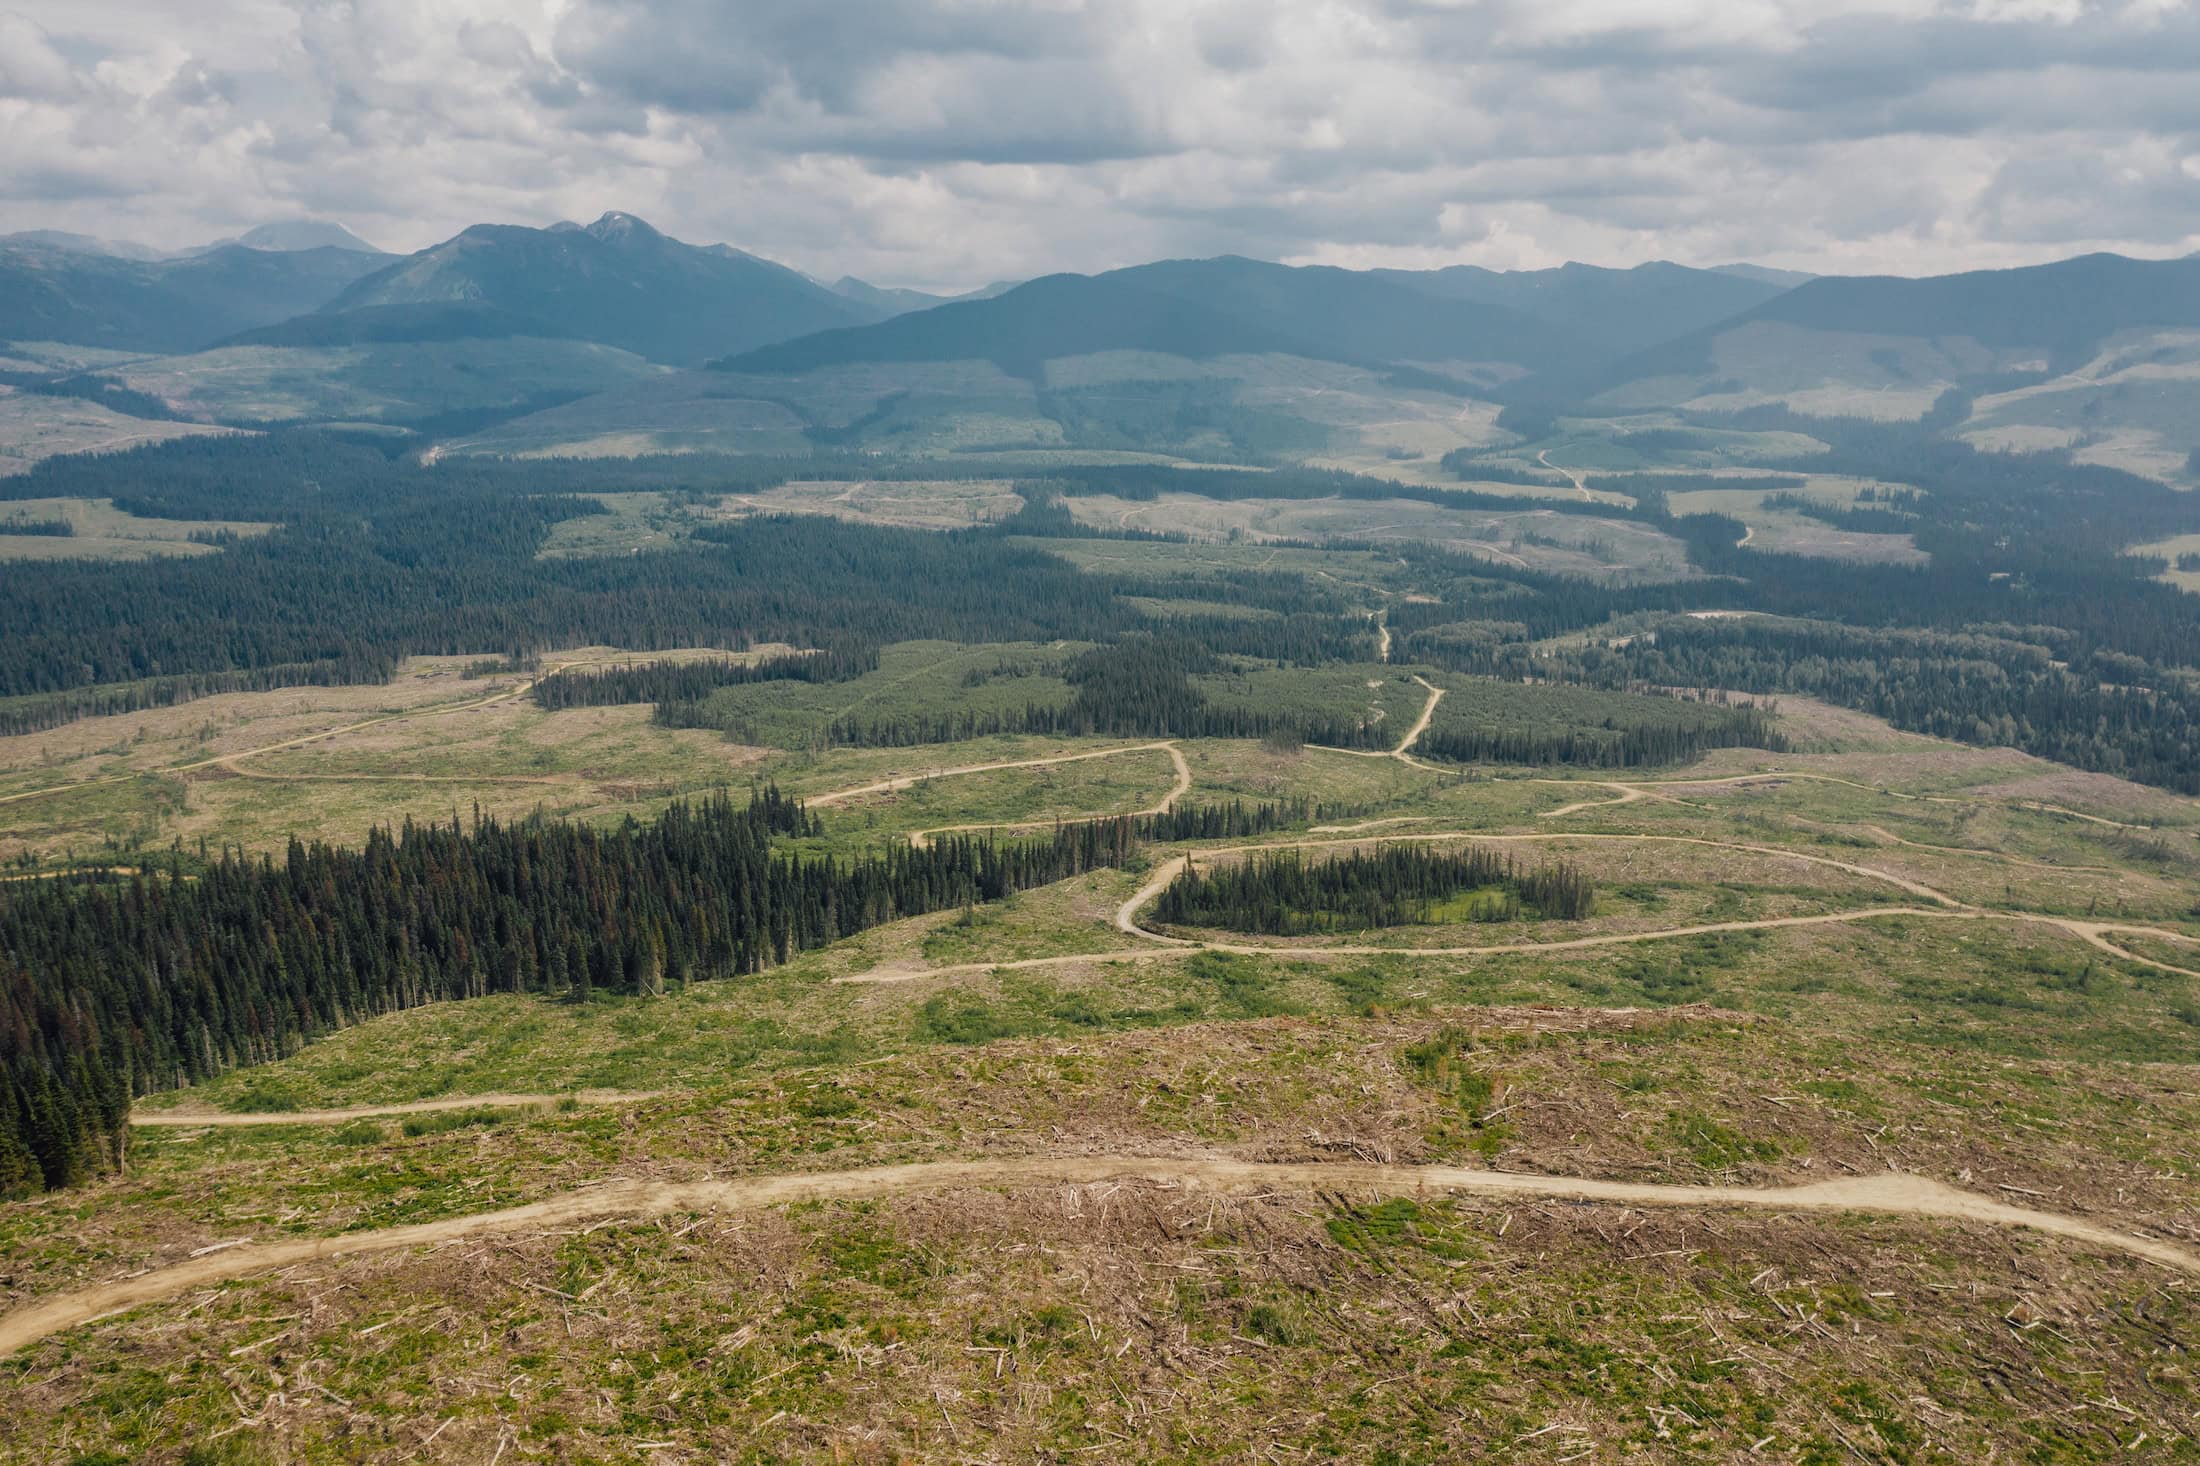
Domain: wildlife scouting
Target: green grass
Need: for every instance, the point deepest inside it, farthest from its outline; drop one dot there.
(918, 679)
(390, 381)
(1340, 693)
(104, 532)
(1478, 703)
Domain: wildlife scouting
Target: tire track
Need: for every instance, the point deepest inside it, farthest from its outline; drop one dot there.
(909, 781)
(227, 1119)
(919, 839)
(1892, 1194)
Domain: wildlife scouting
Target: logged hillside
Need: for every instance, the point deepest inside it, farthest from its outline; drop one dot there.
(1986, 330)
(2068, 307)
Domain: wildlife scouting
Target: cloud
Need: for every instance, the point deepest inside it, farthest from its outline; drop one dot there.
(950, 142)
(30, 68)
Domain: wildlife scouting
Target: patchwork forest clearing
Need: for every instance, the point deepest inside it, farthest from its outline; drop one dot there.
(1866, 1062)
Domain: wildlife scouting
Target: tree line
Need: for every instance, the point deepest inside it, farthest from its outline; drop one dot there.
(1138, 687)
(41, 711)
(113, 990)
(685, 684)
(1614, 746)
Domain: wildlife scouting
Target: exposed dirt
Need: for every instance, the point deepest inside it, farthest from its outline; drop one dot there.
(201, 1119)
(1889, 1194)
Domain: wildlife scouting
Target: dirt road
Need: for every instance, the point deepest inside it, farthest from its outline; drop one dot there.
(221, 1119)
(1128, 911)
(1183, 786)
(230, 760)
(1420, 724)
(910, 781)
(1403, 750)
(2093, 933)
(1884, 1195)
(1580, 487)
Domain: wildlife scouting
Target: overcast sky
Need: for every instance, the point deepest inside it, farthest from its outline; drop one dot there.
(951, 142)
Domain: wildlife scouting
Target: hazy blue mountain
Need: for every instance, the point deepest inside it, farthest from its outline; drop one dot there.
(616, 281)
(1786, 279)
(381, 324)
(896, 300)
(1902, 339)
(1613, 311)
(121, 249)
(49, 294)
(2068, 307)
(886, 300)
(1191, 308)
(297, 234)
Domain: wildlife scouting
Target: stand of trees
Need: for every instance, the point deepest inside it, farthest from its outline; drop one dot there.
(1398, 885)
(675, 686)
(374, 558)
(1873, 513)
(37, 713)
(1237, 819)
(1138, 687)
(1613, 747)
(49, 528)
(108, 991)
(2101, 712)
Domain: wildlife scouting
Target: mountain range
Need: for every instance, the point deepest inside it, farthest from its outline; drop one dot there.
(295, 321)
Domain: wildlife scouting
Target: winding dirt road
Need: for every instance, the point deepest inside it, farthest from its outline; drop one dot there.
(1183, 786)
(910, 781)
(1884, 1195)
(1161, 945)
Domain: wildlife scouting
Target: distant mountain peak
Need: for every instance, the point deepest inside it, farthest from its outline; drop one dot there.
(1765, 274)
(301, 234)
(617, 281)
(616, 226)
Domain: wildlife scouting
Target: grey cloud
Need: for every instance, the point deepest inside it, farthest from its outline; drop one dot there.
(2130, 193)
(708, 56)
(946, 142)
(31, 67)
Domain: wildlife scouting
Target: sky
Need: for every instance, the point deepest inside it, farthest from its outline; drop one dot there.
(948, 143)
